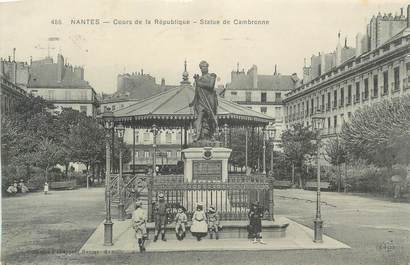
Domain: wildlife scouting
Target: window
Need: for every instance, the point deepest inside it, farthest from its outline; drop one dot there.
(312, 106)
(335, 121)
(178, 154)
(349, 115)
(329, 125)
(263, 110)
(113, 107)
(307, 107)
(137, 137)
(263, 97)
(51, 95)
(146, 154)
(146, 137)
(322, 106)
(385, 82)
(136, 153)
(342, 96)
(349, 94)
(278, 96)
(248, 96)
(83, 109)
(335, 99)
(396, 78)
(168, 138)
(234, 93)
(328, 101)
(375, 86)
(357, 98)
(83, 94)
(366, 89)
(169, 153)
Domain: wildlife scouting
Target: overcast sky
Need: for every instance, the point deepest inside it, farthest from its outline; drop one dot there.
(297, 30)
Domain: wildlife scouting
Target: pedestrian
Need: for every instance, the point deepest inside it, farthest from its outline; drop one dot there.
(139, 221)
(45, 188)
(12, 189)
(160, 218)
(213, 222)
(199, 227)
(255, 223)
(180, 223)
(23, 187)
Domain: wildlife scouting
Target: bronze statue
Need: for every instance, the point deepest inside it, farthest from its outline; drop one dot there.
(205, 104)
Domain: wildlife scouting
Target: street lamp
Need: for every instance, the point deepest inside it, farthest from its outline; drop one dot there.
(108, 120)
(154, 131)
(318, 123)
(121, 211)
(264, 151)
(272, 138)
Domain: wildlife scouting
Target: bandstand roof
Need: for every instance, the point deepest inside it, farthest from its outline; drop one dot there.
(171, 109)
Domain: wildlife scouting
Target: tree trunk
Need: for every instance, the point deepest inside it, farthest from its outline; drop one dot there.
(339, 179)
(66, 169)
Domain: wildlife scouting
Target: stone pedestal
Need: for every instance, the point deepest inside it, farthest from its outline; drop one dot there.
(206, 163)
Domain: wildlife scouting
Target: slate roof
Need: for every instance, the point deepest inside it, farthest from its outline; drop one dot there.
(264, 82)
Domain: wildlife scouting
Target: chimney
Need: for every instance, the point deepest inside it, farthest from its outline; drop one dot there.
(408, 16)
(14, 54)
(275, 73)
(31, 60)
(14, 65)
(163, 82)
(359, 47)
(1, 67)
(255, 76)
(142, 71)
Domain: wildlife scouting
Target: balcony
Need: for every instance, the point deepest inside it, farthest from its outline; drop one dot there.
(348, 101)
(356, 99)
(327, 106)
(365, 96)
(334, 104)
(375, 93)
(341, 103)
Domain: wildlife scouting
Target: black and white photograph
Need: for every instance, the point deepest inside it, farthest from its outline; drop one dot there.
(205, 132)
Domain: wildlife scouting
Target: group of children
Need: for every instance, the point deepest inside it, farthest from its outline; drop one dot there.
(203, 223)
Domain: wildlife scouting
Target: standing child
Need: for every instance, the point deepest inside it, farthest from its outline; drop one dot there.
(180, 223)
(160, 217)
(213, 222)
(255, 223)
(45, 188)
(139, 221)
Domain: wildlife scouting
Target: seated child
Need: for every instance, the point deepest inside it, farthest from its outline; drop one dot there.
(213, 222)
(180, 223)
(199, 227)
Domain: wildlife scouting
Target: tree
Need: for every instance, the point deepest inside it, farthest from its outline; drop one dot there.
(379, 134)
(298, 146)
(336, 155)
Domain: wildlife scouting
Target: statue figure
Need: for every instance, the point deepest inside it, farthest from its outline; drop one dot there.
(205, 104)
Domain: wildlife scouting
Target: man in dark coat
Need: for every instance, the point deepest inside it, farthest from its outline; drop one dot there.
(160, 217)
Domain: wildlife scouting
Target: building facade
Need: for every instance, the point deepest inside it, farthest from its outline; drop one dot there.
(379, 74)
(63, 85)
(262, 93)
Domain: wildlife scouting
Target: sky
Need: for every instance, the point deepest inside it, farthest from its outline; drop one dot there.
(296, 30)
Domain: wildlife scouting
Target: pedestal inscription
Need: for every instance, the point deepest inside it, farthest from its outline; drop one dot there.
(210, 170)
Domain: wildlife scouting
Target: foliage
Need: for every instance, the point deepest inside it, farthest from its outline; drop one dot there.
(36, 136)
(299, 146)
(380, 134)
(335, 151)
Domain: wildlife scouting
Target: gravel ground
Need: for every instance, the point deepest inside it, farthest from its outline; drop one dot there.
(50, 229)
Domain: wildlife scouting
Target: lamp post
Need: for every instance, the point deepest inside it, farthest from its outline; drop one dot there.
(318, 122)
(264, 151)
(121, 211)
(154, 131)
(108, 120)
(226, 135)
(272, 137)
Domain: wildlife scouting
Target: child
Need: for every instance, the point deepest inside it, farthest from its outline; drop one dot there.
(160, 218)
(199, 227)
(255, 223)
(180, 223)
(139, 221)
(213, 222)
(45, 188)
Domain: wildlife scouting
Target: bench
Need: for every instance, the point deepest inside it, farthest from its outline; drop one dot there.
(282, 184)
(231, 229)
(312, 185)
(63, 185)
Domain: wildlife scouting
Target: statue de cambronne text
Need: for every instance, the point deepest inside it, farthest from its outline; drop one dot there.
(205, 104)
